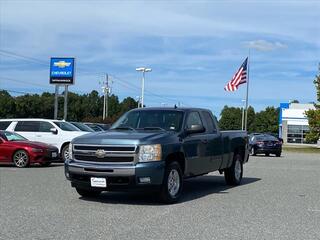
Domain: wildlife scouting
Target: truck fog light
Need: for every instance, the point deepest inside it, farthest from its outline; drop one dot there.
(144, 180)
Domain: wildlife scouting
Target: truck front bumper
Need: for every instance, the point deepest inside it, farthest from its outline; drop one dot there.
(118, 176)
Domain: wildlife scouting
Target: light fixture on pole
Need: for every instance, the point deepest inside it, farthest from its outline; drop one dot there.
(143, 70)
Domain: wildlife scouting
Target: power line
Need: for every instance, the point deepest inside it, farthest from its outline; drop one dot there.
(120, 81)
(149, 92)
(24, 82)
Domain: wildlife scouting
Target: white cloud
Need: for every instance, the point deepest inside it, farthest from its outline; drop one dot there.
(263, 45)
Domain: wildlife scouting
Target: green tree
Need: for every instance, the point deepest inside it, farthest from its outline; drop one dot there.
(230, 118)
(314, 114)
(267, 120)
(7, 105)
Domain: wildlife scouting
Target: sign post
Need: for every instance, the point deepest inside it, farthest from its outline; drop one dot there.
(61, 74)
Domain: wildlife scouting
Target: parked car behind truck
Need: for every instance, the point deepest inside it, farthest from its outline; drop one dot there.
(54, 132)
(155, 148)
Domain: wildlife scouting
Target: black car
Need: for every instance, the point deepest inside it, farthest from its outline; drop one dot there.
(264, 144)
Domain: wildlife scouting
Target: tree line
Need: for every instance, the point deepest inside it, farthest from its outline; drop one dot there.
(88, 108)
(264, 121)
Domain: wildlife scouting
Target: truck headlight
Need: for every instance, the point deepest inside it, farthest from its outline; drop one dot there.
(148, 153)
(70, 151)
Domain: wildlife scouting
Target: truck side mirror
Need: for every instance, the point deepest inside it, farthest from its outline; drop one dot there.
(54, 130)
(197, 128)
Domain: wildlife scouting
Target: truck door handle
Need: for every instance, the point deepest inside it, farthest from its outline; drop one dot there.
(205, 141)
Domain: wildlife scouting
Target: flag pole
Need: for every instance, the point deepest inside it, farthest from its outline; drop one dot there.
(246, 117)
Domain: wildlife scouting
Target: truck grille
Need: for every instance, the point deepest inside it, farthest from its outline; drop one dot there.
(105, 153)
(104, 159)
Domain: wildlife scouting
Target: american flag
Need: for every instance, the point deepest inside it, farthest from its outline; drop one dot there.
(239, 78)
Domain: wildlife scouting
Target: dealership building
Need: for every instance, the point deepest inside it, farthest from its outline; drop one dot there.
(293, 122)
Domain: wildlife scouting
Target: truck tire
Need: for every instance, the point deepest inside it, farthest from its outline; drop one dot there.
(233, 174)
(172, 185)
(87, 192)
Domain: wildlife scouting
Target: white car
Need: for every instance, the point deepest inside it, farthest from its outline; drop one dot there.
(54, 132)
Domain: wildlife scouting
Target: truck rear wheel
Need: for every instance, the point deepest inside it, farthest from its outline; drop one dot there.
(233, 174)
(87, 192)
(172, 185)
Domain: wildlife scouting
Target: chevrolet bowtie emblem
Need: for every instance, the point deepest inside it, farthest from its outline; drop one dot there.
(100, 153)
(62, 64)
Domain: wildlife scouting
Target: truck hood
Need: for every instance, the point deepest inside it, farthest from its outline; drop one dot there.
(123, 137)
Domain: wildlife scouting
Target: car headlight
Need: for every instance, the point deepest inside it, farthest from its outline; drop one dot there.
(148, 153)
(70, 150)
(37, 150)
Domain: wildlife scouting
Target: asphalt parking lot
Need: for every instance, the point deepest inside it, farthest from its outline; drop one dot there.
(279, 199)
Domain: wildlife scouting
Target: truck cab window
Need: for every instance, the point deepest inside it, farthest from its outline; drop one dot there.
(193, 119)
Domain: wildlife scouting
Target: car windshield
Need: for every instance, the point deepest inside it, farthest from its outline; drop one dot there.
(66, 126)
(14, 137)
(151, 120)
(82, 127)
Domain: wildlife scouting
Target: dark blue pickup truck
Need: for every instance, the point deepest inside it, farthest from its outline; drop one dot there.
(155, 149)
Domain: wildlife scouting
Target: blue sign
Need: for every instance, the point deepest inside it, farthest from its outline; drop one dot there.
(62, 71)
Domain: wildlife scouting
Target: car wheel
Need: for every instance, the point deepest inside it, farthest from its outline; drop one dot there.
(253, 151)
(233, 174)
(87, 192)
(172, 185)
(21, 159)
(278, 154)
(65, 153)
(45, 164)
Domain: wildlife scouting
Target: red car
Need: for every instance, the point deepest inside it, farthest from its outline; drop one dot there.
(18, 150)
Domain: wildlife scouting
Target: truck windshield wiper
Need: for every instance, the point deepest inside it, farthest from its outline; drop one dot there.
(124, 128)
(154, 128)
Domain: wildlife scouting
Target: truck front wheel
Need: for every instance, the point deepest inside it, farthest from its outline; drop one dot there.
(172, 185)
(233, 174)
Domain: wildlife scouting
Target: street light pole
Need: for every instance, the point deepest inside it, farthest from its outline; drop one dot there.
(143, 70)
(242, 121)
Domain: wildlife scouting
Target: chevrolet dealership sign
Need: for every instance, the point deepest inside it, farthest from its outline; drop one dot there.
(62, 71)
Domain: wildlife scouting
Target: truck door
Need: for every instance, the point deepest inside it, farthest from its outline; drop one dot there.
(195, 146)
(214, 147)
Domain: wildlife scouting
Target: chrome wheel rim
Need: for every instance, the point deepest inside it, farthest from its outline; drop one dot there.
(173, 182)
(21, 159)
(237, 170)
(252, 151)
(66, 154)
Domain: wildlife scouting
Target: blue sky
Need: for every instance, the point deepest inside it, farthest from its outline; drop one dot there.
(193, 47)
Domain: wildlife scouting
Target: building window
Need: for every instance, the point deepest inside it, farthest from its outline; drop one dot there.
(297, 133)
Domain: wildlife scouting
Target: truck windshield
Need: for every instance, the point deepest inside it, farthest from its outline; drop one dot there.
(151, 120)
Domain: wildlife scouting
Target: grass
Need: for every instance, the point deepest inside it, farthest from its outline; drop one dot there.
(301, 149)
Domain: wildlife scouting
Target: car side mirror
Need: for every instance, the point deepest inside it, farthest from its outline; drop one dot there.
(197, 128)
(54, 130)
